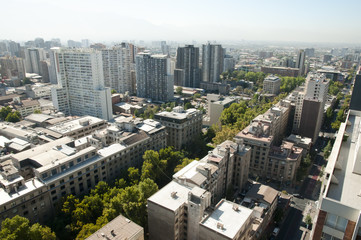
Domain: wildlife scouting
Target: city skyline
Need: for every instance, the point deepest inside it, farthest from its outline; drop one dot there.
(201, 21)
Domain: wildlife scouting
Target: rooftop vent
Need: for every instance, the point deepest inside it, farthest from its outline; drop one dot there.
(220, 225)
(235, 207)
(173, 194)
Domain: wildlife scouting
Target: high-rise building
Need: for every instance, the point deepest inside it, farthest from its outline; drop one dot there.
(12, 67)
(187, 72)
(212, 62)
(117, 68)
(310, 52)
(14, 48)
(338, 209)
(33, 56)
(52, 68)
(85, 43)
(300, 62)
(313, 105)
(153, 76)
(81, 89)
(39, 43)
(228, 63)
(74, 44)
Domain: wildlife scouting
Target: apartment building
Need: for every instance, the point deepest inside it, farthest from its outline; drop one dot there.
(154, 77)
(117, 65)
(258, 138)
(182, 212)
(227, 221)
(216, 104)
(78, 127)
(272, 85)
(284, 162)
(182, 126)
(65, 166)
(277, 119)
(12, 67)
(26, 107)
(224, 167)
(81, 89)
(314, 101)
(339, 207)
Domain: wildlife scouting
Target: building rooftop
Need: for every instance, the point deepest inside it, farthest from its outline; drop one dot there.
(227, 218)
(171, 196)
(73, 125)
(38, 118)
(344, 164)
(272, 78)
(23, 190)
(120, 228)
(179, 113)
(260, 192)
(41, 149)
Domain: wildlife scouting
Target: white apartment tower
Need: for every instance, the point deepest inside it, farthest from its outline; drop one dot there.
(153, 77)
(81, 90)
(117, 65)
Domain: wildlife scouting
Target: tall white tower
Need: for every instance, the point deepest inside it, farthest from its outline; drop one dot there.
(81, 89)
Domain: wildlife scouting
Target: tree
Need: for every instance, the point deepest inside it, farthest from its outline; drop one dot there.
(113, 91)
(37, 111)
(18, 228)
(327, 150)
(187, 106)
(39, 232)
(4, 112)
(308, 220)
(133, 175)
(179, 90)
(184, 163)
(13, 117)
(26, 81)
(87, 230)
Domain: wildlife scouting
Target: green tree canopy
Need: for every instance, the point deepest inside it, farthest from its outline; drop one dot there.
(18, 228)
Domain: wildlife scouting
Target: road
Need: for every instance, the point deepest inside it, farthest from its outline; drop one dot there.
(291, 227)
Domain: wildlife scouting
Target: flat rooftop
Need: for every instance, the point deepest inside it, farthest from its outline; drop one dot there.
(232, 220)
(29, 186)
(178, 115)
(344, 162)
(164, 196)
(73, 125)
(120, 228)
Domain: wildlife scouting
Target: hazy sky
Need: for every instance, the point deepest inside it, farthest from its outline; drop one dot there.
(116, 20)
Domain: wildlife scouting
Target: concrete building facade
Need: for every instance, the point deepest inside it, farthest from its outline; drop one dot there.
(212, 62)
(271, 85)
(153, 77)
(182, 126)
(187, 72)
(33, 181)
(81, 89)
(117, 66)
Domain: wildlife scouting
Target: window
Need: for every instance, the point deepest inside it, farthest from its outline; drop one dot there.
(326, 236)
(53, 172)
(336, 222)
(45, 175)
